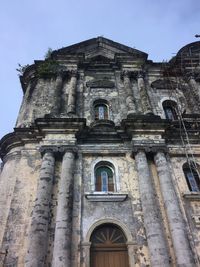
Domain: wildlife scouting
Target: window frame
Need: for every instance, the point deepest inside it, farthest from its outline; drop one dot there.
(104, 182)
(170, 106)
(101, 103)
(191, 176)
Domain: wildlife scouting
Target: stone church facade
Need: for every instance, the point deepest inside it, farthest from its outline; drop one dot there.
(102, 168)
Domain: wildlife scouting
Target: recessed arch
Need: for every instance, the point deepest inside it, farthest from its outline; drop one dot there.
(113, 221)
(131, 244)
(108, 247)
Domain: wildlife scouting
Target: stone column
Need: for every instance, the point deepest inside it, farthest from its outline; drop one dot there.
(37, 247)
(194, 87)
(85, 262)
(146, 106)
(71, 104)
(129, 94)
(76, 213)
(62, 239)
(152, 221)
(131, 253)
(175, 218)
(57, 95)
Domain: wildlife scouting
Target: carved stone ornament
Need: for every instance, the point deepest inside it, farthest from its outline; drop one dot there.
(73, 73)
(100, 84)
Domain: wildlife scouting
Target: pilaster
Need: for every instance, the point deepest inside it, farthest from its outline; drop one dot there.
(58, 93)
(71, 105)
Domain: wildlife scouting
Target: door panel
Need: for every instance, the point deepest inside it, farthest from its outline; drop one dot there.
(109, 259)
(108, 247)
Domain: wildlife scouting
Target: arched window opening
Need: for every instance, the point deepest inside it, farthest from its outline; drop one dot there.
(108, 245)
(170, 109)
(192, 177)
(101, 110)
(104, 177)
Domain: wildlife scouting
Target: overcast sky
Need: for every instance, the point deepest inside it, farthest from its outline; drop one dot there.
(29, 27)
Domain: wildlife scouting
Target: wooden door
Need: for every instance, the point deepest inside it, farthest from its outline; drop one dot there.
(108, 248)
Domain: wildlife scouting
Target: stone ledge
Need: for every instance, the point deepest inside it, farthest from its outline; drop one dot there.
(105, 197)
(192, 196)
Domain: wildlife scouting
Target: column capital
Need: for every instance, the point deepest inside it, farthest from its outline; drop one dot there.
(86, 244)
(73, 73)
(144, 149)
(126, 73)
(162, 149)
(46, 149)
(68, 148)
(149, 148)
(58, 149)
(141, 74)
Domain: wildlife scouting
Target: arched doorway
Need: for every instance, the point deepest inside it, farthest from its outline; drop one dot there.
(108, 247)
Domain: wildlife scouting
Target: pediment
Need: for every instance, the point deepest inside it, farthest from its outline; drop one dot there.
(164, 84)
(100, 131)
(100, 46)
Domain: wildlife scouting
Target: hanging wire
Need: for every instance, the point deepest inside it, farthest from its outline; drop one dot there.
(184, 139)
(191, 160)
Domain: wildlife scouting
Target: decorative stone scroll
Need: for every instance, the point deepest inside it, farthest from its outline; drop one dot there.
(129, 93)
(143, 93)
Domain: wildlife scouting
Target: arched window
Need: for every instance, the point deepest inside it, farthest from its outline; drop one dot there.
(170, 109)
(108, 247)
(101, 110)
(104, 177)
(191, 176)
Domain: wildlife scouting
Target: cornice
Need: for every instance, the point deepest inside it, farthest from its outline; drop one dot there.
(58, 125)
(37, 131)
(18, 138)
(144, 123)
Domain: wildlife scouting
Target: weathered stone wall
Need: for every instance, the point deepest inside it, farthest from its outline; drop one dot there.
(16, 207)
(46, 215)
(190, 204)
(130, 209)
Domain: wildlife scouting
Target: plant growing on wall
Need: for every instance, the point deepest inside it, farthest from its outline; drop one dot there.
(48, 53)
(47, 68)
(21, 69)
